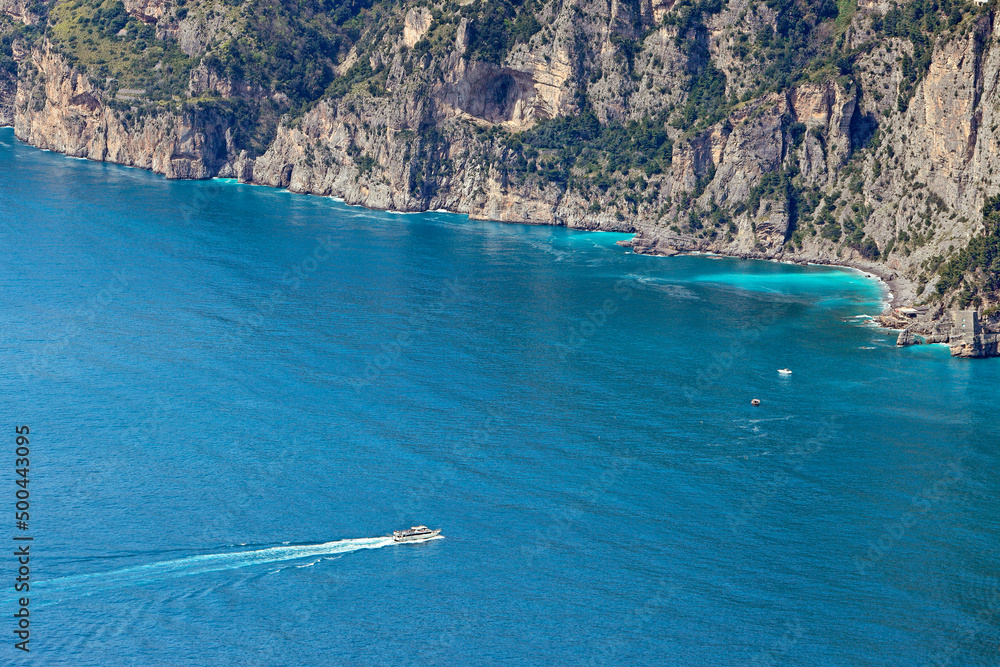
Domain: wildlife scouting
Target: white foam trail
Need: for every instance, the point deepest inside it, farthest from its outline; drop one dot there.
(183, 567)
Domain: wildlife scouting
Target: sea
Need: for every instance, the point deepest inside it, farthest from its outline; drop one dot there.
(233, 394)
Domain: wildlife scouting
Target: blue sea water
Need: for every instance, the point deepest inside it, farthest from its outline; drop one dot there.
(234, 393)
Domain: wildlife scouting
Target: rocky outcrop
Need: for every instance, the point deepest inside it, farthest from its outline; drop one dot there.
(968, 338)
(741, 151)
(415, 25)
(59, 109)
(202, 26)
(21, 10)
(147, 11)
(961, 330)
(8, 91)
(827, 111)
(976, 347)
(883, 181)
(497, 95)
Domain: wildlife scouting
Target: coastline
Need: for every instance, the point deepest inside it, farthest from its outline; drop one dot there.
(894, 287)
(890, 284)
(896, 290)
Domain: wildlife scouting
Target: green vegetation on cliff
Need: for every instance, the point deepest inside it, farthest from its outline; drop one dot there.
(754, 126)
(976, 267)
(102, 40)
(291, 47)
(555, 148)
(497, 25)
(8, 66)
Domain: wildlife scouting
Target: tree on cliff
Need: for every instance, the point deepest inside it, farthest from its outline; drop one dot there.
(976, 268)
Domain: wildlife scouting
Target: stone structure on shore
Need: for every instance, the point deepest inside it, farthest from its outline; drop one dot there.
(964, 333)
(968, 339)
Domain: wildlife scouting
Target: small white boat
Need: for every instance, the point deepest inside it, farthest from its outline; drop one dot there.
(784, 371)
(415, 534)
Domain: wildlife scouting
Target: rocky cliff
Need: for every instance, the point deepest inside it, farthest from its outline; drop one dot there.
(7, 94)
(860, 134)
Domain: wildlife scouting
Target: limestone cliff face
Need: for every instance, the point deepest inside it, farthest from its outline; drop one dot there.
(147, 11)
(415, 25)
(826, 110)
(928, 176)
(882, 188)
(20, 10)
(59, 109)
(8, 89)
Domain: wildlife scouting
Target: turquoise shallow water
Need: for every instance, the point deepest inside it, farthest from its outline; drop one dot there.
(233, 392)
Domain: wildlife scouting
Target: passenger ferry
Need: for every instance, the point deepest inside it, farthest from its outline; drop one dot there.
(414, 534)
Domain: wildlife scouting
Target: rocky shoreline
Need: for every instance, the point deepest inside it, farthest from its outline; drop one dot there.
(894, 284)
(931, 324)
(879, 168)
(961, 330)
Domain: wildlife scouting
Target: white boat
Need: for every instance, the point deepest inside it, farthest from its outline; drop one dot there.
(784, 371)
(415, 534)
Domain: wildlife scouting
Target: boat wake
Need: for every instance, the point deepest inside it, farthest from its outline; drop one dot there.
(85, 584)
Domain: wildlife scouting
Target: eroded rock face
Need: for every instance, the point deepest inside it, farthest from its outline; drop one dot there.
(496, 95)
(547, 79)
(947, 109)
(421, 145)
(976, 347)
(62, 111)
(147, 11)
(196, 31)
(8, 91)
(753, 147)
(19, 10)
(46, 114)
(827, 110)
(204, 80)
(660, 8)
(415, 25)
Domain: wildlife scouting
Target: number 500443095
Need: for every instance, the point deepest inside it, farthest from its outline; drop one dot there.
(21, 468)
